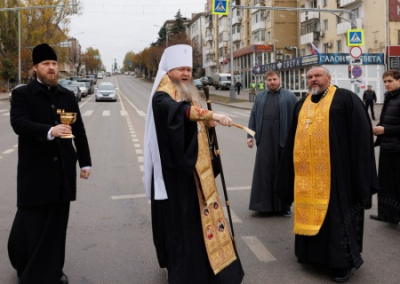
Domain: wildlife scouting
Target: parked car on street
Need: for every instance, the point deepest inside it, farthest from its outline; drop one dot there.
(198, 83)
(207, 80)
(93, 77)
(100, 75)
(64, 82)
(17, 86)
(108, 74)
(106, 92)
(82, 86)
(75, 89)
(89, 84)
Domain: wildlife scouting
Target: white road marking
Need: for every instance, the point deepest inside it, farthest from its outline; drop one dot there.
(106, 113)
(136, 145)
(261, 252)
(124, 112)
(88, 113)
(133, 135)
(228, 114)
(139, 151)
(235, 218)
(241, 113)
(141, 168)
(3, 110)
(6, 114)
(8, 151)
(135, 140)
(129, 196)
(140, 159)
(233, 188)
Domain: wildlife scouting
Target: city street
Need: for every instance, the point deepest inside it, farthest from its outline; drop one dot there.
(109, 233)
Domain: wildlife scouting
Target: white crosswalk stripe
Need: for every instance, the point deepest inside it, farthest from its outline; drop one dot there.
(256, 246)
(244, 113)
(106, 113)
(5, 114)
(88, 113)
(228, 114)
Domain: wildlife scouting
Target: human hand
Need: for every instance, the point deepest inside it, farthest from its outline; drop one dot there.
(378, 130)
(250, 142)
(222, 119)
(212, 123)
(61, 130)
(85, 173)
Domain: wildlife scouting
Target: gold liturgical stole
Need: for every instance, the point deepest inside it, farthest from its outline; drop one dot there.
(312, 165)
(216, 232)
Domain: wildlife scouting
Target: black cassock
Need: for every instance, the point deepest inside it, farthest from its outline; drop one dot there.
(263, 197)
(177, 230)
(353, 181)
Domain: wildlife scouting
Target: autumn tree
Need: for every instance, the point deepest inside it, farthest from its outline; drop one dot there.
(92, 60)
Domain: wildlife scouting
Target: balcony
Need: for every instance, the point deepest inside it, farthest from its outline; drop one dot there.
(236, 20)
(310, 37)
(236, 37)
(342, 28)
(209, 51)
(209, 38)
(309, 15)
(258, 26)
(346, 3)
(223, 44)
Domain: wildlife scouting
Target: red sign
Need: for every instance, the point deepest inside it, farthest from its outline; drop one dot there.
(356, 71)
(394, 10)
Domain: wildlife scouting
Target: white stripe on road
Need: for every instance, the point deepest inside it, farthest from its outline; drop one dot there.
(228, 114)
(244, 113)
(136, 145)
(140, 159)
(139, 151)
(2, 110)
(235, 218)
(232, 188)
(88, 113)
(258, 248)
(8, 151)
(130, 196)
(106, 113)
(124, 113)
(6, 114)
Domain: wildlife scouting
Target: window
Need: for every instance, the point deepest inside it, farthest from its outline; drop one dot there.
(238, 28)
(325, 3)
(326, 47)
(325, 25)
(268, 16)
(339, 45)
(338, 20)
(268, 37)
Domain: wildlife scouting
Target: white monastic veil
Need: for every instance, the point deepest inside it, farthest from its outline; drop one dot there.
(173, 57)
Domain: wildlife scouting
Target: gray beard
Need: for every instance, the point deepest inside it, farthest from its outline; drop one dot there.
(314, 91)
(187, 92)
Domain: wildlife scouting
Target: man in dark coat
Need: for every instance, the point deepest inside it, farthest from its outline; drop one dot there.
(328, 170)
(270, 118)
(388, 138)
(46, 179)
(369, 99)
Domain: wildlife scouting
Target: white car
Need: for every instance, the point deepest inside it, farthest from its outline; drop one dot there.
(82, 86)
(106, 92)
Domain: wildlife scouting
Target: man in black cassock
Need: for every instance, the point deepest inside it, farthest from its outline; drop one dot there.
(174, 125)
(46, 180)
(336, 243)
(388, 138)
(270, 118)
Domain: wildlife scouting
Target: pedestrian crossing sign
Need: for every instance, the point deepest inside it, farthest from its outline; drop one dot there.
(355, 38)
(220, 7)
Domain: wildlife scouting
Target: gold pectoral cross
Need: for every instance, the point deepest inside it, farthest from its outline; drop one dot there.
(308, 122)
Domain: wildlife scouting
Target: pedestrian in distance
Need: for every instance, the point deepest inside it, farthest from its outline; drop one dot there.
(261, 86)
(187, 218)
(387, 132)
(369, 99)
(238, 86)
(253, 87)
(270, 118)
(330, 136)
(46, 179)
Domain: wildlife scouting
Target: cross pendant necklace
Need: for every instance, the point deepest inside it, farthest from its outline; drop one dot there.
(310, 111)
(308, 122)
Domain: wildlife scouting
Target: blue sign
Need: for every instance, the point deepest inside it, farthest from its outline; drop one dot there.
(356, 71)
(298, 62)
(345, 58)
(220, 7)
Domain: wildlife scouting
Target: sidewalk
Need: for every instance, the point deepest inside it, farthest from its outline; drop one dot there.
(244, 95)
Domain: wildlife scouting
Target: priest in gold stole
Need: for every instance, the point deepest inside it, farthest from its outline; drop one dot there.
(190, 232)
(328, 170)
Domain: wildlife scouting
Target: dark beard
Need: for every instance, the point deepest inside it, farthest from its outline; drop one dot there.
(187, 92)
(48, 82)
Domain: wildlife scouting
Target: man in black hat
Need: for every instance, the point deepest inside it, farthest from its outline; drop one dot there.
(369, 99)
(46, 179)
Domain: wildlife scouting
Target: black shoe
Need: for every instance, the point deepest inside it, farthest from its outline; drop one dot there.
(287, 213)
(341, 275)
(376, 217)
(64, 279)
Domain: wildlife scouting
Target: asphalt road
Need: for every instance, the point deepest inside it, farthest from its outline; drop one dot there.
(109, 234)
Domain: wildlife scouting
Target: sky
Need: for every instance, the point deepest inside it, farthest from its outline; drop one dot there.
(115, 27)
